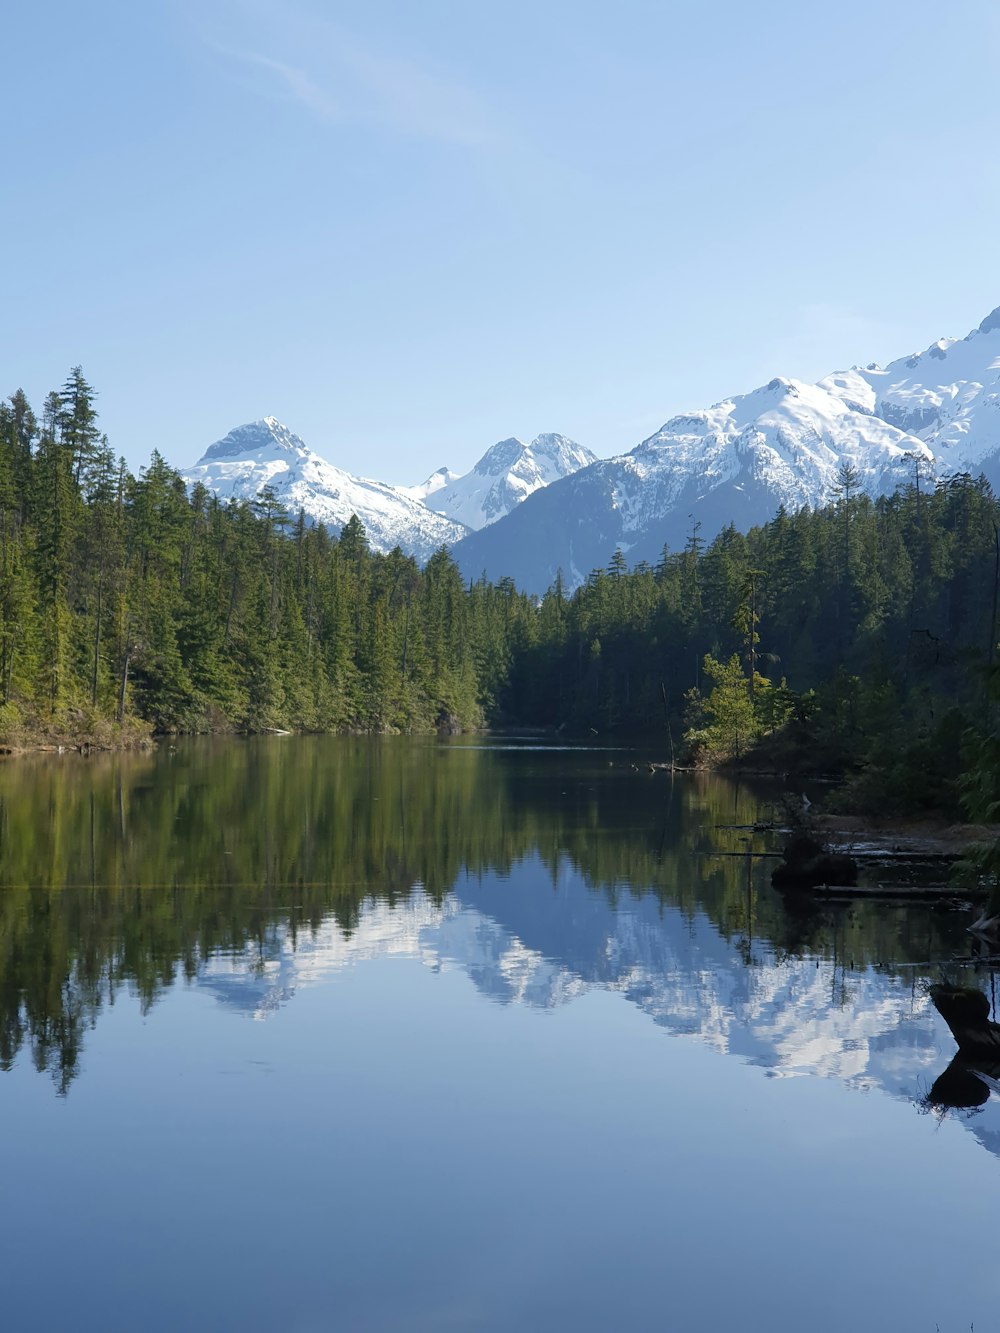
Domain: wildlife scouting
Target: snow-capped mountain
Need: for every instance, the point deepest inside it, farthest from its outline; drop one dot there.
(266, 453)
(948, 396)
(440, 511)
(506, 475)
(442, 477)
(529, 510)
(736, 462)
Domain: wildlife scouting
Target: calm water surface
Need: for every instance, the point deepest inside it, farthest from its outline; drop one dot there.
(310, 1034)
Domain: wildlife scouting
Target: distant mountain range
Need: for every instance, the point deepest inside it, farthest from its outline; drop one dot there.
(937, 412)
(505, 475)
(528, 510)
(266, 453)
(418, 519)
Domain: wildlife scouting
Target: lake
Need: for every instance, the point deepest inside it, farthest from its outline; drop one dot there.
(386, 1034)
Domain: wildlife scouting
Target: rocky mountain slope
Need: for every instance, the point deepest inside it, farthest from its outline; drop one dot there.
(937, 413)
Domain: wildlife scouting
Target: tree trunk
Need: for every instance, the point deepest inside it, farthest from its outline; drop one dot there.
(123, 687)
(97, 639)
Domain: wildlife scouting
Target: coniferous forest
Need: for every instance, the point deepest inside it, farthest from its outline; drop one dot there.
(861, 633)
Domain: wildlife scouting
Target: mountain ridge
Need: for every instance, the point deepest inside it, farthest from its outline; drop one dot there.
(505, 476)
(266, 453)
(530, 510)
(419, 519)
(742, 458)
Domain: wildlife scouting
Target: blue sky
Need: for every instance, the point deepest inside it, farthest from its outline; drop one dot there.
(411, 229)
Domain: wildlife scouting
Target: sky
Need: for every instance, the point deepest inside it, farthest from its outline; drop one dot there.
(409, 228)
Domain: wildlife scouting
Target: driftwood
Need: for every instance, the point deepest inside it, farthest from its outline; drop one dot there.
(754, 828)
(987, 925)
(939, 892)
(757, 856)
(897, 854)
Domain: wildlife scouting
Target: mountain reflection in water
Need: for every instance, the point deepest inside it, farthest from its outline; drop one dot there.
(869, 1028)
(254, 869)
(380, 1035)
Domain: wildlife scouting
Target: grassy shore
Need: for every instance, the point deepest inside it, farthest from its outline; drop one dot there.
(75, 730)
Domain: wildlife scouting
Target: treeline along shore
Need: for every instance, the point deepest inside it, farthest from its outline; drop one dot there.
(854, 639)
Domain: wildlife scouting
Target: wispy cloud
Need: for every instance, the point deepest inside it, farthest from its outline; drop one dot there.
(418, 102)
(333, 76)
(295, 84)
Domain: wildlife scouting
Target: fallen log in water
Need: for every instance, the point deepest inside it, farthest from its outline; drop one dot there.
(938, 891)
(895, 854)
(757, 856)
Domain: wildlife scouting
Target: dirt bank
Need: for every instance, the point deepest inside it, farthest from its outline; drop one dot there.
(926, 837)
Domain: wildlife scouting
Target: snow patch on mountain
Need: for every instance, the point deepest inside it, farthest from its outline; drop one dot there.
(948, 396)
(434, 483)
(266, 453)
(506, 475)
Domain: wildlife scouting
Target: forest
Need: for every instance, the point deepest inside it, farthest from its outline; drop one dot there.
(858, 638)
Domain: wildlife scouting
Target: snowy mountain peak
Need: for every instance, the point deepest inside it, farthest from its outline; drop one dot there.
(266, 453)
(508, 473)
(948, 396)
(549, 456)
(565, 455)
(500, 457)
(419, 519)
(734, 462)
(255, 437)
(442, 477)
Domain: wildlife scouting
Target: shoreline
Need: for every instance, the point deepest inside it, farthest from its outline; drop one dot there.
(104, 738)
(928, 837)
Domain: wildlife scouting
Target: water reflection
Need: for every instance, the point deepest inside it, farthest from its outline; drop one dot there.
(254, 869)
(522, 940)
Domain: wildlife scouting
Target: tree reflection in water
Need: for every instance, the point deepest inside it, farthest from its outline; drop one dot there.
(136, 870)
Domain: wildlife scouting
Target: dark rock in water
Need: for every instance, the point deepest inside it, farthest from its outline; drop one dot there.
(960, 1086)
(801, 848)
(967, 1013)
(968, 1080)
(807, 862)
